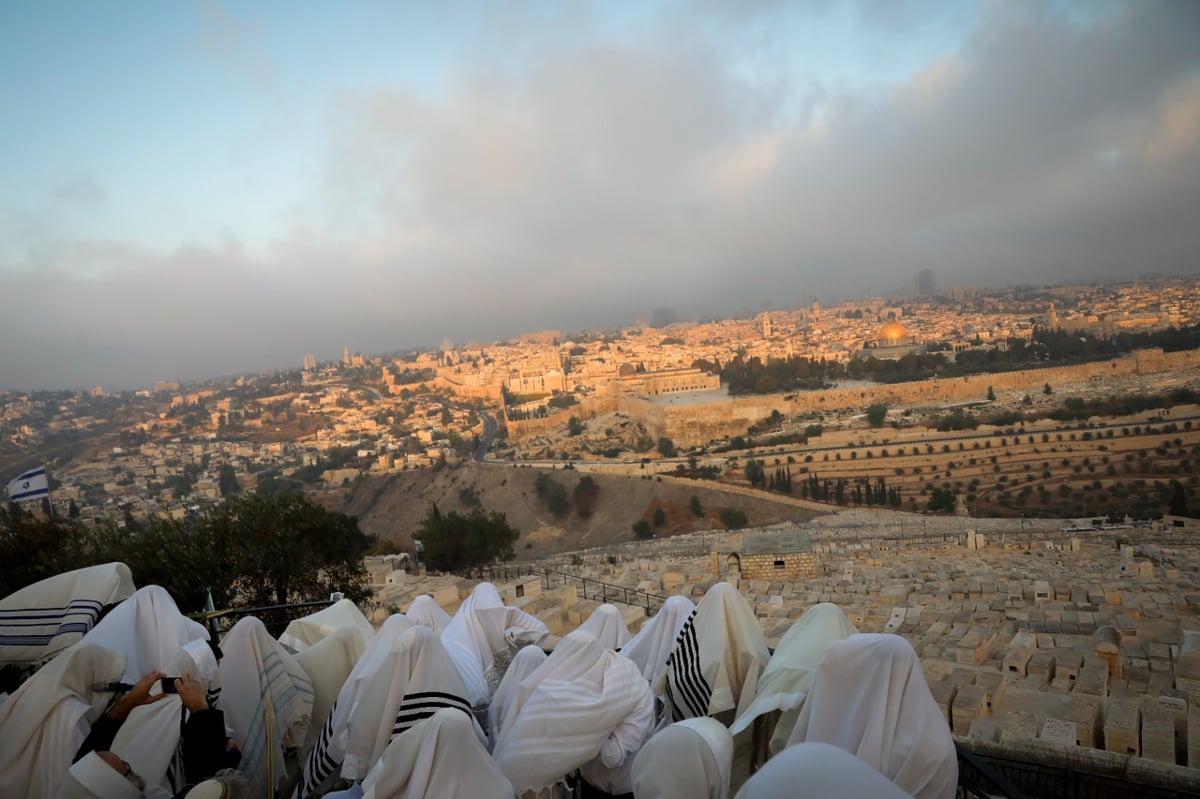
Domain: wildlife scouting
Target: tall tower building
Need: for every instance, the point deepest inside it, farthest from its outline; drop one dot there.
(310, 362)
(345, 356)
(1053, 319)
(766, 324)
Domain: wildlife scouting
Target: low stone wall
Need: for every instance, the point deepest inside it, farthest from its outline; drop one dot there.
(795, 565)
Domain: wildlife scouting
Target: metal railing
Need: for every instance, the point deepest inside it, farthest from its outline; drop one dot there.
(976, 780)
(587, 587)
(274, 617)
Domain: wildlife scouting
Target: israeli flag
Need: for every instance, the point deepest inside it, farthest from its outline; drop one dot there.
(31, 485)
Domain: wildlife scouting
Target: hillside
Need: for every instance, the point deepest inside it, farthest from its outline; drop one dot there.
(392, 506)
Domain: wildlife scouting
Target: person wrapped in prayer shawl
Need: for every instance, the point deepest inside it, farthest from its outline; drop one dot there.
(483, 625)
(606, 624)
(45, 720)
(586, 707)
(328, 664)
(525, 662)
(405, 676)
(204, 749)
(439, 758)
(426, 612)
(714, 667)
(651, 647)
(268, 701)
(148, 629)
(789, 675)
(308, 630)
(41, 620)
(690, 759)
(818, 771)
(870, 698)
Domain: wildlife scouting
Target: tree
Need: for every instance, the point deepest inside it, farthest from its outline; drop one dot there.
(754, 473)
(991, 395)
(1178, 499)
(454, 541)
(575, 427)
(660, 517)
(695, 507)
(72, 509)
(732, 518)
(941, 499)
(227, 481)
(641, 529)
(876, 414)
(666, 448)
(553, 493)
(587, 490)
(1047, 390)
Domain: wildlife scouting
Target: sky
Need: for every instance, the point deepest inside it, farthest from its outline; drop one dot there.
(195, 189)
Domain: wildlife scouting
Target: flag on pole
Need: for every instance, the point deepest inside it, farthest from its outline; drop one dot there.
(31, 485)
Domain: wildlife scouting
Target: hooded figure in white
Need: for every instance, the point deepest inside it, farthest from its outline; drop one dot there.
(267, 697)
(870, 698)
(586, 707)
(714, 667)
(483, 626)
(148, 629)
(527, 660)
(45, 721)
(328, 664)
(651, 647)
(308, 630)
(440, 757)
(818, 771)
(425, 611)
(41, 620)
(606, 624)
(691, 759)
(789, 675)
(404, 677)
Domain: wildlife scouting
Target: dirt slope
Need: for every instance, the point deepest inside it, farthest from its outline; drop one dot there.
(393, 506)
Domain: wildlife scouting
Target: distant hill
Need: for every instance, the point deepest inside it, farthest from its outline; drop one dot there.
(392, 506)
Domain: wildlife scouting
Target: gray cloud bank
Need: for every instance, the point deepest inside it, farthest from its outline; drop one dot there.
(607, 178)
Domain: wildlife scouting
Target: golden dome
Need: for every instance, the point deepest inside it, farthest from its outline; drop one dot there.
(892, 333)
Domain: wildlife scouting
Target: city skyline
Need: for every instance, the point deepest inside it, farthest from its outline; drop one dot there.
(199, 190)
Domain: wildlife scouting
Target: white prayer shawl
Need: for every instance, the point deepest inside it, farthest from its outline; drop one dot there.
(690, 759)
(92, 778)
(415, 680)
(425, 611)
(267, 698)
(527, 660)
(818, 771)
(148, 629)
(870, 698)
(485, 625)
(40, 620)
(651, 647)
(717, 659)
(149, 741)
(325, 759)
(606, 624)
(439, 758)
(308, 630)
(328, 664)
(46, 719)
(565, 713)
(789, 675)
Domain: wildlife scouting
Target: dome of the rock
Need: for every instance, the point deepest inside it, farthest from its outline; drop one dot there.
(892, 333)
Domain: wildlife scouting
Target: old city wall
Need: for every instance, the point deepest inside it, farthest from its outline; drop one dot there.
(692, 425)
(588, 408)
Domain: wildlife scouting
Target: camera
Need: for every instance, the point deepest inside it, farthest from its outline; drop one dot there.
(168, 685)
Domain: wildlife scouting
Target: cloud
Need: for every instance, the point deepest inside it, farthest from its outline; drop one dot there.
(604, 176)
(80, 192)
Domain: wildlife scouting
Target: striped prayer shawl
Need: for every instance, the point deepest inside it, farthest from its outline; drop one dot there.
(688, 693)
(40, 627)
(321, 763)
(417, 707)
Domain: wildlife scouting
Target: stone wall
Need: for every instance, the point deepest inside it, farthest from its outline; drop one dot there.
(795, 565)
(696, 424)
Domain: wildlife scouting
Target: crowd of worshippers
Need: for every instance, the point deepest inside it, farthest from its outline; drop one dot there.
(130, 698)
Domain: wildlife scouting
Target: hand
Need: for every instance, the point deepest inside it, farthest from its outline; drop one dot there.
(138, 695)
(191, 692)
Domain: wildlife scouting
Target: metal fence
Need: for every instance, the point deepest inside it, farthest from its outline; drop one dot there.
(586, 587)
(275, 618)
(976, 780)
(1068, 780)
